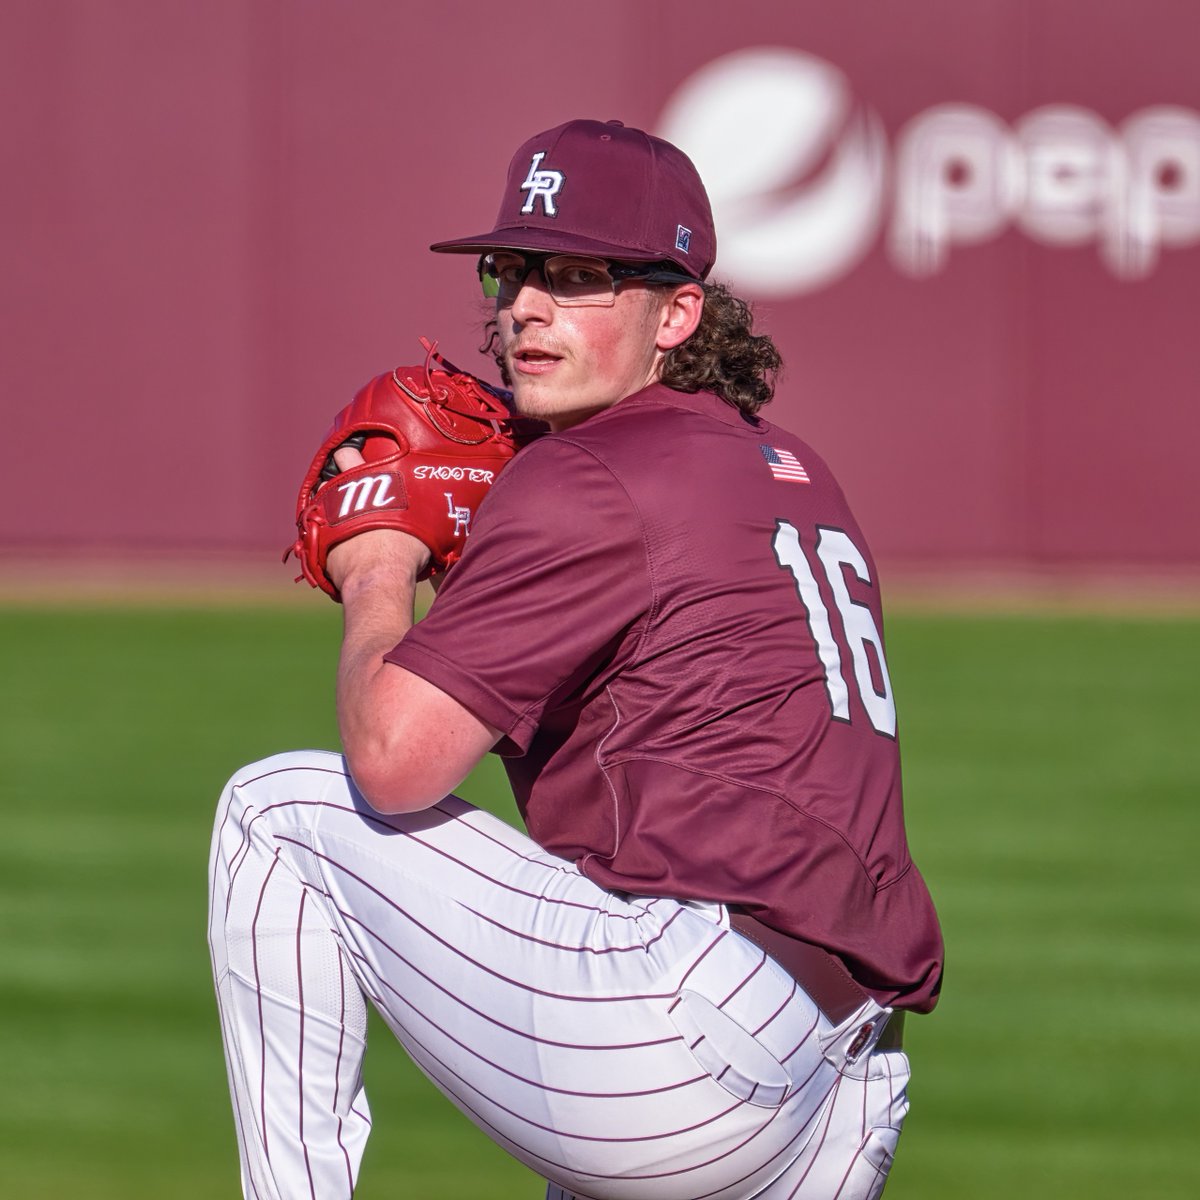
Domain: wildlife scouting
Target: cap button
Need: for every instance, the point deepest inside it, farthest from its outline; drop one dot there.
(618, 124)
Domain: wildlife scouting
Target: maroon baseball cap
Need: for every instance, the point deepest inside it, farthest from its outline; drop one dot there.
(602, 188)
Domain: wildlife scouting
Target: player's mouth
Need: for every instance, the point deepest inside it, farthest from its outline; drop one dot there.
(534, 361)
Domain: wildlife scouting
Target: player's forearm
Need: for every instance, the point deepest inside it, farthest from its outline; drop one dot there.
(376, 616)
(406, 741)
(376, 575)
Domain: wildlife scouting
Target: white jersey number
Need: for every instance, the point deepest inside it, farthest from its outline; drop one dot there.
(835, 550)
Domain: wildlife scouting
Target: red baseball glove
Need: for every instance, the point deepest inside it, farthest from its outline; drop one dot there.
(434, 439)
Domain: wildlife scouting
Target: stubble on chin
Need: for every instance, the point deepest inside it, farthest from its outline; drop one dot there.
(530, 399)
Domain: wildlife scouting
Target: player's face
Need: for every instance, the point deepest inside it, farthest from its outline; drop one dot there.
(569, 362)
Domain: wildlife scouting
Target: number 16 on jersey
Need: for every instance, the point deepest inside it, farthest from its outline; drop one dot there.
(834, 550)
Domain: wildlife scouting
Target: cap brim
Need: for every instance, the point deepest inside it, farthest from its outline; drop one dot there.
(524, 238)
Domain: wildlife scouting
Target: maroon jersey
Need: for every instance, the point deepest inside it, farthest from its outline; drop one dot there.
(671, 615)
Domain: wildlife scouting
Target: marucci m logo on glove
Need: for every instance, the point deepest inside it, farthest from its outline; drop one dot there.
(358, 493)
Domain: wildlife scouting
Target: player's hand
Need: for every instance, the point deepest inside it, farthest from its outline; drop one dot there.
(347, 457)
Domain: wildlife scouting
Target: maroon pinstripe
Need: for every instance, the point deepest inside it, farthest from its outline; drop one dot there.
(262, 1025)
(312, 1189)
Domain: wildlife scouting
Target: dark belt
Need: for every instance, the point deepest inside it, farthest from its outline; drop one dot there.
(821, 974)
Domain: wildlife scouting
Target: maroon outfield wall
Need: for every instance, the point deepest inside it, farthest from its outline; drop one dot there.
(973, 228)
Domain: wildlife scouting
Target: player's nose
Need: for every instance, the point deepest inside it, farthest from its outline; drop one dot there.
(533, 301)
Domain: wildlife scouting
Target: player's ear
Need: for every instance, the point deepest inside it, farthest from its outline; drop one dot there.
(679, 315)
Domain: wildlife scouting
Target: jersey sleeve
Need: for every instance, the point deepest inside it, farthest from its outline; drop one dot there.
(553, 580)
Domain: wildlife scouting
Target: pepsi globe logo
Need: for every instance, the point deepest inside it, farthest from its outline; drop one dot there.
(803, 179)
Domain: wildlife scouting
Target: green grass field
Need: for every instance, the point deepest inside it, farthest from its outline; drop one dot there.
(1051, 776)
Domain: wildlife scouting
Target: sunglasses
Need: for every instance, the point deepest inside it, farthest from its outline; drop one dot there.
(569, 278)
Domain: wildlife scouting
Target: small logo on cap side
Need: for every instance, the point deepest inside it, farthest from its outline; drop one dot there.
(683, 238)
(541, 185)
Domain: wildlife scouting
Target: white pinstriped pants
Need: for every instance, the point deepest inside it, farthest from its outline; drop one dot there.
(621, 1047)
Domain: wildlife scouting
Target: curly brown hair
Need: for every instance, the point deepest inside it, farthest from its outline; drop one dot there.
(723, 356)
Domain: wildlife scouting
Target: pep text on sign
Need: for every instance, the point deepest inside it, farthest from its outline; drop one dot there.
(803, 178)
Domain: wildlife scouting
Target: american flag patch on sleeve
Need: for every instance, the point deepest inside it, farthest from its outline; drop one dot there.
(784, 465)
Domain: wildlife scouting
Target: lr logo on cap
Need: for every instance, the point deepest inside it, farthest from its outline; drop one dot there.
(543, 185)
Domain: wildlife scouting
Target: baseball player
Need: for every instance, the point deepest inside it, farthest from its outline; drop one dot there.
(689, 979)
